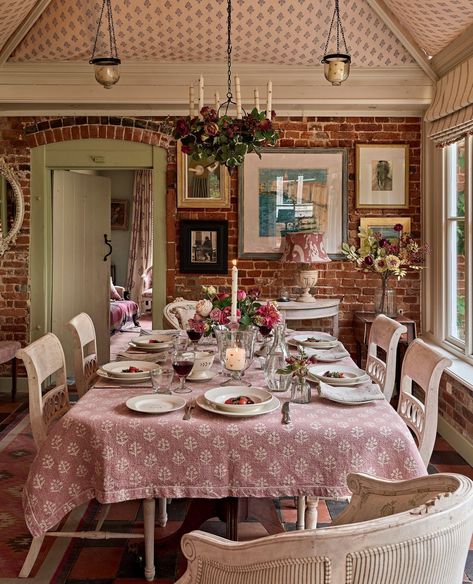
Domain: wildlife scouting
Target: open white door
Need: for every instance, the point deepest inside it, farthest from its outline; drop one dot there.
(81, 277)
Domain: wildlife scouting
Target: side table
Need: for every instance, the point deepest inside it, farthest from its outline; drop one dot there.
(321, 308)
(362, 322)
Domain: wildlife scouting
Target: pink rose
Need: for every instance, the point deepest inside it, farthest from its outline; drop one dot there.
(223, 296)
(241, 295)
(215, 314)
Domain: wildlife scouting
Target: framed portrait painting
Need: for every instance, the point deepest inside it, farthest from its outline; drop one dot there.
(203, 247)
(292, 189)
(201, 184)
(119, 218)
(382, 176)
(385, 225)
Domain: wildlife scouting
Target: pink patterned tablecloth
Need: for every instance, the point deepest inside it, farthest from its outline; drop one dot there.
(102, 450)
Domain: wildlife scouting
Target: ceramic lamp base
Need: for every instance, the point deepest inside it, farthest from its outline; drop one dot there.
(307, 280)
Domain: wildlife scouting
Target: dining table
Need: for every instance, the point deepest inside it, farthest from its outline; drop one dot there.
(102, 449)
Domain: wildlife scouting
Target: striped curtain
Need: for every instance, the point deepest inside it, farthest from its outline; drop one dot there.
(451, 111)
(141, 243)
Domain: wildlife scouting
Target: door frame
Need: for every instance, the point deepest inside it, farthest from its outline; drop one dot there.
(88, 154)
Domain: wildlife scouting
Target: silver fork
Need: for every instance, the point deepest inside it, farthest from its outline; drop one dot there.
(188, 411)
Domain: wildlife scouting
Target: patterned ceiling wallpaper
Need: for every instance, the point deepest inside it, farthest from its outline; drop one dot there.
(289, 32)
(433, 24)
(12, 13)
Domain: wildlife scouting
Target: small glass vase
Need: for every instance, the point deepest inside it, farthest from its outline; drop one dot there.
(300, 390)
(385, 301)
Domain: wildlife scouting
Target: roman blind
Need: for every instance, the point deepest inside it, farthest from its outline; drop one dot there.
(451, 111)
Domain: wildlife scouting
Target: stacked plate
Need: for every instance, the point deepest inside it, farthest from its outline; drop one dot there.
(155, 343)
(126, 371)
(233, 401)
(338, 374)
(314, 340)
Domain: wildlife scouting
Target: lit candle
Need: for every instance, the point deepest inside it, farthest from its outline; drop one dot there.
(269, 100)
(235, 358)
(238, 97)
(191, 100)
(217, 101)
(233, 314)
(257, 99)
(201, 93)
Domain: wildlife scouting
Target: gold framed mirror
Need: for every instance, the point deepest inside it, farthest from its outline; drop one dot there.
(12, 206)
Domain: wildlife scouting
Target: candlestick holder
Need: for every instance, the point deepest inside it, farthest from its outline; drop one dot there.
(237, 349)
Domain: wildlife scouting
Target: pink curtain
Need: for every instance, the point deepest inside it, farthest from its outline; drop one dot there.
(141, 242)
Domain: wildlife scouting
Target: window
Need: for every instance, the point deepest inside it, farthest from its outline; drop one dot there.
(458, 306)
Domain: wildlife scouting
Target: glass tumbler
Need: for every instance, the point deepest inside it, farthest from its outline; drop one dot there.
(161, 380)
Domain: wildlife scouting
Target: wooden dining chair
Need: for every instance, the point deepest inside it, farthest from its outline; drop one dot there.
(46, 371)
(84, 341)
(384, 334)
(178, 312)
(423, 366)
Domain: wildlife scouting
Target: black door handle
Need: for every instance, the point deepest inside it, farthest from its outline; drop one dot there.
(109, 243)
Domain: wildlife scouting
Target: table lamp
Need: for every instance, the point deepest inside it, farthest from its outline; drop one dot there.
(303, 247)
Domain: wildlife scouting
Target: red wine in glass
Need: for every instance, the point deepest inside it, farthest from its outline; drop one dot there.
(183, 368)
(194, 336)
(182, 363)
(265, 330)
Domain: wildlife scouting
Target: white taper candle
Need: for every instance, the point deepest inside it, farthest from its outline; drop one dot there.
(217, 101)
(191, 100)
(257, 99)
(201, 93)
(238, 97)
(269, 101)
(233, 314)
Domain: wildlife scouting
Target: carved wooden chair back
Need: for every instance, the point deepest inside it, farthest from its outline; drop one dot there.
(85, 351)
(385, 334)
(44, 359)
(423, 366)
(178, 312)
(419, 529)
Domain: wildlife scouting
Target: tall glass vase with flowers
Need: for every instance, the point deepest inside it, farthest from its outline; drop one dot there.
(387, 258)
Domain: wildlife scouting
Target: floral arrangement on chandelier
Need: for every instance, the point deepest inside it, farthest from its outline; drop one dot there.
(224, 139)
(386, 257)
(215, 309)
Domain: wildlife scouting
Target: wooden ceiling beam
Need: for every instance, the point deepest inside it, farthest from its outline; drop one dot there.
(404, 36)
(460, 49)
(21, 31)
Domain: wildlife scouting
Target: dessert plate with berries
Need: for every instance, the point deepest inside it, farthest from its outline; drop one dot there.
(338, 374)
(127, 370)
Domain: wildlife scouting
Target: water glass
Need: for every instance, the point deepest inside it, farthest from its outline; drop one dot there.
(161, 380)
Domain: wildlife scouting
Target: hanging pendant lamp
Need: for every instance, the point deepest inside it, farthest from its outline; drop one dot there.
(337, 64)
(106, 68)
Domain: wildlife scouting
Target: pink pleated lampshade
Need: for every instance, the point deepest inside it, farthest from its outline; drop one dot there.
(305, 247)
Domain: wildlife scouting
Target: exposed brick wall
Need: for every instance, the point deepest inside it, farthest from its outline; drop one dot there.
(456, 406)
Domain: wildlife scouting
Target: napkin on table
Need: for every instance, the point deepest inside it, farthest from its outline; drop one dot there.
(338, 352)
(360, 393)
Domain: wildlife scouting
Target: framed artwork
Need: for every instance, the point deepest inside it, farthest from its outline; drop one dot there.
(201, 185)
(298, 189)
(203, 247)
(382, 176)
(120, 213)
(385, 225)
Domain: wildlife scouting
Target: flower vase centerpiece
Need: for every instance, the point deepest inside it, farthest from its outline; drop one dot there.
(298, 367)
(387, 258)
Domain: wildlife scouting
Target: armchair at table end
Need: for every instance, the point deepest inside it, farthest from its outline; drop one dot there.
(178, 312)
(410, 531)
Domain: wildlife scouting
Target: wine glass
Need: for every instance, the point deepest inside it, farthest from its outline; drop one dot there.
(182, 363)
(265, 331)
(194, 336)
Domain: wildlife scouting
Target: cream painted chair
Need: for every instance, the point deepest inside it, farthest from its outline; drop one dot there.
(423, 366)
(45, 364)
(407, 532)
(178, 312)
(84, 341)
(385, 334)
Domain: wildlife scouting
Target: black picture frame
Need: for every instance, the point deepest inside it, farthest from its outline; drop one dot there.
(203, 247)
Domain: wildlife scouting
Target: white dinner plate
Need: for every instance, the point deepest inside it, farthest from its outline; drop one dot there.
(353, 375)
(218, 396)
(150, 348)
(322, 341)
(155, 404)
(153, 341)
(117, 369)
(266, 408)
(104, 375)
(203, 376)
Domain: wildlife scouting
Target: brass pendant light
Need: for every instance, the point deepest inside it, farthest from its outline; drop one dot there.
(337, 64)
(107, 71)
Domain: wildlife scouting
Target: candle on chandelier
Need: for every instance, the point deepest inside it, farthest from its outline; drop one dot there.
(257, 99)
(191, 100)
(269, 100)
(233, 314)
(201, 93)
(238, 97)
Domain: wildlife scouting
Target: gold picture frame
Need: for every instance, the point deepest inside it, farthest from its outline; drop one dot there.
(385, 225)
(200, 185)
(382, 176)
(120, 214)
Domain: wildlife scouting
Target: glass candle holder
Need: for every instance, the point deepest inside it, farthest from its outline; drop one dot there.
(237, 351)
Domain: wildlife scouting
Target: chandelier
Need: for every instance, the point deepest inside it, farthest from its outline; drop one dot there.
(107, 72)
(336, 65)
(213, 135)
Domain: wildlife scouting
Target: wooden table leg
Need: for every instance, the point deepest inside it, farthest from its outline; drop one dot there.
(149, 508)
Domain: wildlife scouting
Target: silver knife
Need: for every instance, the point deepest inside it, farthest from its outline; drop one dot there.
(188, 411)
(286, 417)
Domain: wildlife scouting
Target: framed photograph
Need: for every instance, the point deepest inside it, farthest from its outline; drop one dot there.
(292, 189)
(201, 185)
(120, 213)
(382, 176)
(203, 247)
(385, 225)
